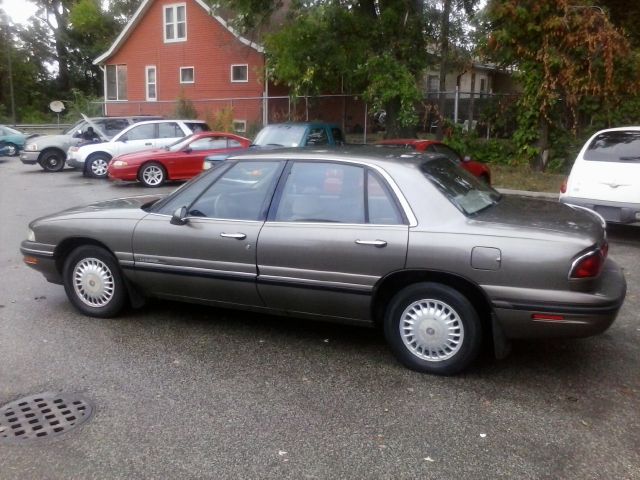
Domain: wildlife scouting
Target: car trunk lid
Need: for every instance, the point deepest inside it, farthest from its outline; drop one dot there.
(523, 212)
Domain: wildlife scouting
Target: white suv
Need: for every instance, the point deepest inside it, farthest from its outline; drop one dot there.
(606, 175)
(94, 158)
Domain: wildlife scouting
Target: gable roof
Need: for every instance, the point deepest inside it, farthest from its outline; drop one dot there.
(142, 9)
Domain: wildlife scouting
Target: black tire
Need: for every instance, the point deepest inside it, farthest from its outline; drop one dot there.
(12, 149)
(427, 349)
(93, 282)
(96, 166)
(152, 174)
(52, 161)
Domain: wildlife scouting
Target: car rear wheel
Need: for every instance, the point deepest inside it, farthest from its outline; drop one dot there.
(52, 161)
(93, 282)
(152, 174)
(97, 165)
(433, 328)
(11, 149)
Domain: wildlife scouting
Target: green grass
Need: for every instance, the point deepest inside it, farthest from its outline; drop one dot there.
(523, 178)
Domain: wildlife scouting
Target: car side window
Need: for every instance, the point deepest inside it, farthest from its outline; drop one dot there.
(141, 132)
(317, 136)
(382, 209)
(169, 130)
(209, 143)
(234, 143)
(197, 127)
(112, 126)
(323, 192)
(239, 193)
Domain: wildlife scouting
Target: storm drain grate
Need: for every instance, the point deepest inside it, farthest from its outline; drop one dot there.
(42, 416)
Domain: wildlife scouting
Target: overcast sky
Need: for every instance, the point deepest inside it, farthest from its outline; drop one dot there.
(18, 10)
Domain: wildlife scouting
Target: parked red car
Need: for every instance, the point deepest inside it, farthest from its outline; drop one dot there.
(478, 169)
(181, 160)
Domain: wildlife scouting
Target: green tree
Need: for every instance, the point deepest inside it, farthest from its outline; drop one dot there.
(353, 46)
(565, 54)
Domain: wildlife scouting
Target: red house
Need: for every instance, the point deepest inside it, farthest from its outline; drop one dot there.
(171, 49)
(182, 48)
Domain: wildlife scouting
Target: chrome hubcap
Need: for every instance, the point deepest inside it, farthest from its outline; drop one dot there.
(93, 282)
(99, 167)
(11, 150)
(431, 330)
(152, 175)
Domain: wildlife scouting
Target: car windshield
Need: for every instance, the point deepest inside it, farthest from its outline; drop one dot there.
(465, 191)
(74, 128)
(12, 130)
(281, 135)
(179, 144)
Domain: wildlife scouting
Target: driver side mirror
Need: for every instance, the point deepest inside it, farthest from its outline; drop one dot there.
(123, 139)
(179, 217)
(188, 150)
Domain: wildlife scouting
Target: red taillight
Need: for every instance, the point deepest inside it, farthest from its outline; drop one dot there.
(563, 186)
(588, 266)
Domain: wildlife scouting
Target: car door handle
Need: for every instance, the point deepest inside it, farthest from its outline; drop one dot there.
(148, 144)
(237, 236)
(375, 243)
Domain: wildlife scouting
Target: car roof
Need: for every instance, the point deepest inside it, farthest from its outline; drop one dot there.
(619, 129)
(377, 155)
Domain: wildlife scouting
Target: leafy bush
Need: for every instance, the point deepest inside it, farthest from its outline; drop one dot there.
(185, 108)
(496, 150)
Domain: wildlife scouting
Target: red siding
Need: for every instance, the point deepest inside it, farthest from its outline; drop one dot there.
(210, 48)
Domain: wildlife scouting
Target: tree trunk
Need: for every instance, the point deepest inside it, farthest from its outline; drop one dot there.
(444, 53)
(542, 159)
(393, 129)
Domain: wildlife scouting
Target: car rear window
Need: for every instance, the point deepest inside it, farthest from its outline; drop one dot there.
(465, 191)
(620, 146)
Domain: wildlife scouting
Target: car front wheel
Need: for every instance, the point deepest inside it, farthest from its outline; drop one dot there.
(93, 282)
(52, 161)
(433, 328)
(97, 165)
(11, 149)
(152, 174)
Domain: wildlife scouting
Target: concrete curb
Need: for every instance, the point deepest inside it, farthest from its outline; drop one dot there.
(524, 193)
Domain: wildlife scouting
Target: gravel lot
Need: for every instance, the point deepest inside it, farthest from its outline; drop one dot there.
(185, 392)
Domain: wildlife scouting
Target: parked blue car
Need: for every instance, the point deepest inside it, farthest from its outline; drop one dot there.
(11, 141)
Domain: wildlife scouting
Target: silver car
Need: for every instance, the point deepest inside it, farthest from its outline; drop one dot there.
(405, 241)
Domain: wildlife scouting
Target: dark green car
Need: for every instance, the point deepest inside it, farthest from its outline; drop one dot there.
(406, 241)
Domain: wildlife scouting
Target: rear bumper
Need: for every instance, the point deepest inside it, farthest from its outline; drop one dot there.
(612, 212)
(584, 315)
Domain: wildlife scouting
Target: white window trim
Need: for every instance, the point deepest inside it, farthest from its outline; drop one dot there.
(194, 75)
(146, 82)
(175, 22)
(239, 65)
(243, 123)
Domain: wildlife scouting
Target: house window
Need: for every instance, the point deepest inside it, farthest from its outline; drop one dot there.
(152, 92)
(240, 126)
(187, 75)
(116, 82)
(433, 83)
(240, 73)
(175, 23)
